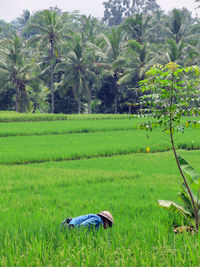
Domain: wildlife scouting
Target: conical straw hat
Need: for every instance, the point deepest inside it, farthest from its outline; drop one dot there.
(107, 215)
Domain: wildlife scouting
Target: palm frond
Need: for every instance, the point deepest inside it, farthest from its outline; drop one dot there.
(126, 78)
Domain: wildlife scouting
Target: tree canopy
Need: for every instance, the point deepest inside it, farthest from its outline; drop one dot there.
(54, 61)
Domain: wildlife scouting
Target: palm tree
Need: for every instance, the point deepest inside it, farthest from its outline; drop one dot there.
(15, 69)
(6, 29)
(181, 46)
(138, 27)
(23, 19)
(138, 60)
(77, 70)
(112, 61)
(179, 25)
(93, 75)
(22, 23)
(49, 34)
(90, 28)
(156, 33)
(175, 52)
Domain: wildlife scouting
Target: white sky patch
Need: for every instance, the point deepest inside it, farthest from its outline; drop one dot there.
(11, 9)
(170, 4)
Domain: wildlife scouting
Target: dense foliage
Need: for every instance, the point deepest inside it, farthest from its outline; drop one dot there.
(60, 62)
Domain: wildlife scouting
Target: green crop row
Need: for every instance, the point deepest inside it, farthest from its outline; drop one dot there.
(64, 127)
(12, 116)
(29, 128)
(29, 149)
(35, 199)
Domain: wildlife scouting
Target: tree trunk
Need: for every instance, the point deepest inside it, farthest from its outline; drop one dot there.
(89, 103)
(129, 109)
(16, 100)
(185, 181)
(89, 106)
(16, 96)
(79, 106)
(51, 54)
(115, 92)
(180, 169)
(52, 90)
(116, 98)
(23, 102)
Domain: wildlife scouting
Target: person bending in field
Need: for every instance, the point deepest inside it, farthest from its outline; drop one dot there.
(103, 218)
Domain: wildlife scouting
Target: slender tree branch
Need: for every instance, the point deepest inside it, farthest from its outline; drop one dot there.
(179, 167)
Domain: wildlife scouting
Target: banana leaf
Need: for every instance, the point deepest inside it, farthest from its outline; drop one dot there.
(183, 196)
(194, 188)
(174, 207)
(188, 169)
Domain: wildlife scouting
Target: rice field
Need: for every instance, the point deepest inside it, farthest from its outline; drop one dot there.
(46, 178)
(66, 127)
(12, 116)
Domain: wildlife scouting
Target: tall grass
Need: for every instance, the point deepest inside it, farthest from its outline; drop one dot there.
(35, 199)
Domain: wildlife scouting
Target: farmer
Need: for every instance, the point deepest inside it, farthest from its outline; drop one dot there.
(103, 218)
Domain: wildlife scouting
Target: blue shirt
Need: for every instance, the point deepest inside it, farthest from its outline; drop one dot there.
(87, 221)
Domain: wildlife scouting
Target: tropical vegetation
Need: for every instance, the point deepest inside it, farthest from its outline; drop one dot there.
(61, 62)
(137, 61)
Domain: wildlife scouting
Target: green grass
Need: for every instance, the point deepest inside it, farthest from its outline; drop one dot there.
(35, 198)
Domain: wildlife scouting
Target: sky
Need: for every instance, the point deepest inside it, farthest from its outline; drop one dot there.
(11, 9)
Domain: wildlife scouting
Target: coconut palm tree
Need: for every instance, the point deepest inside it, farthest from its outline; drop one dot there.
(49, 34)
(23, 19)
(156, 33)
(179, 26)
(181, 47)
(6, 29)
(16, 69)
(90, 28)
(114, 59)
(138, 27)
(111, 61)
(138, 60)
(78, 73)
